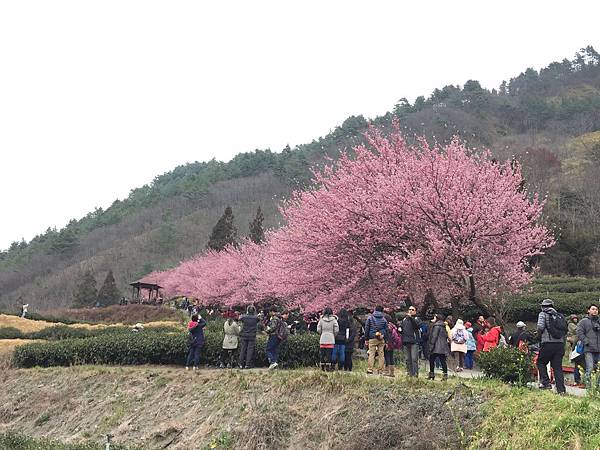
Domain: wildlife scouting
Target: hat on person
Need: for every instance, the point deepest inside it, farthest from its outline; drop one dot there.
(521, 324)
(547, 302)
(468, 325)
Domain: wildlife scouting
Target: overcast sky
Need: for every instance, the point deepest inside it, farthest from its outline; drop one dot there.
(97, 98)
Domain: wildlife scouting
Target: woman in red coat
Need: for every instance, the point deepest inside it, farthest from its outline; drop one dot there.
(492, 337)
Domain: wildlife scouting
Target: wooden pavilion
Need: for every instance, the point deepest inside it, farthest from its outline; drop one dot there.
(152, 289)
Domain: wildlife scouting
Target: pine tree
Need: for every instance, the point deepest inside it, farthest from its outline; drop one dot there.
(224, 232)
(86, 293)
(257, 233)
(109, 293)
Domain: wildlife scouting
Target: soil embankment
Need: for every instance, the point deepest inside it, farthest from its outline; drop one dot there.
(162, 407)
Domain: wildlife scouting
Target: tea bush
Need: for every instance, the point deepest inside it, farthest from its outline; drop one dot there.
(154, 347)
(507, 364)
(10, 333)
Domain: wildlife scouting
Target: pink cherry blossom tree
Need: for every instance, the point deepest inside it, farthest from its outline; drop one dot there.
(399, 220)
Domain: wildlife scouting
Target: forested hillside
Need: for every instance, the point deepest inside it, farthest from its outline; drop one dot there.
(548, 120)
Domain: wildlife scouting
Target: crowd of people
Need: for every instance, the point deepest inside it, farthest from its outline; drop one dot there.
(385, 333)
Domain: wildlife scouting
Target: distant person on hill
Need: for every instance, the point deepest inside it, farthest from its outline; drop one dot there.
(278, 331)
(338, 355)
(196, 340)
(249, 322)
(375, 334)
(328, 328)
(230, 340)
(438, 346)
(471, 346)
(24, 310)
(411, 335)
(552, 329)
(458, 344)
(588, 332)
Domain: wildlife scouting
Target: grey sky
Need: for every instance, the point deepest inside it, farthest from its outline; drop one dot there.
(97, 98)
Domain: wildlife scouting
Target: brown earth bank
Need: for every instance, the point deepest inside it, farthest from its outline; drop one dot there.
(164, 407)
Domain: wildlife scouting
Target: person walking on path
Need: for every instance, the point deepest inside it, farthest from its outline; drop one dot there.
(230, 341)
(552, 329)
(249, 322)
(588, 332)
(278, 331)
(24, 310)
(341, 339)
(411, 336)
(328, 328)
(196, 341)
(438, 346)
(471, 346)
(375, 333)
(458, 344)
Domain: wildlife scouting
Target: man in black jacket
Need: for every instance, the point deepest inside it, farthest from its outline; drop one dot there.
(249, 323)
(410, 341)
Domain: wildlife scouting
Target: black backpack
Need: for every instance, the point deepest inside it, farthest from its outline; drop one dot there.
(556, 325)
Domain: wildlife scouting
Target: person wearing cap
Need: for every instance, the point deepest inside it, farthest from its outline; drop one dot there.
(519, 335)
(552, 348)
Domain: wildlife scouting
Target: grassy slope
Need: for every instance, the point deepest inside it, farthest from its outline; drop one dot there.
(155, 406)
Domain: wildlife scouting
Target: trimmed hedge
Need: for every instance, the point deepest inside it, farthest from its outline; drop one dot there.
(527, 307)
(10, 333)
(149, 347)
(507, 364)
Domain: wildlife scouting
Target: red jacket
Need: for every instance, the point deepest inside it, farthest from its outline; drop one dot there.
(490, 339)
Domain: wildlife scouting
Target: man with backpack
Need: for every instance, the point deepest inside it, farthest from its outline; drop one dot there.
(278, 332)
(552, 329)
(411, 335)
(588, 332)
(376, 330)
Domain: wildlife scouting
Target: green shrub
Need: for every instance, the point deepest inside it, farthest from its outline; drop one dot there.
(37, 316)
(16, 441)
(527, 307)
(507, 364)
(10, 333)
(154, 347)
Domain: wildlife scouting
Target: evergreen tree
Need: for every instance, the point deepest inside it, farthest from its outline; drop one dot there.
(86, 293)
(109, 293)
(257, 233)
(224, 232)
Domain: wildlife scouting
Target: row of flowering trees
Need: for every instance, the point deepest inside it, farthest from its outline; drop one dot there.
(389, 221)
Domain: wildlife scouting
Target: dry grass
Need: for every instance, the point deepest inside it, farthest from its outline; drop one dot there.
(24, 325)
(129, 314)
(8, 345)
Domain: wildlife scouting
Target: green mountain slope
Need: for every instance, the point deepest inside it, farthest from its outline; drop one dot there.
(549, 120)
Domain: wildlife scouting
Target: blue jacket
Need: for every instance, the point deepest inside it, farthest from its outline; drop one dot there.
(376, 322)
(196, 330)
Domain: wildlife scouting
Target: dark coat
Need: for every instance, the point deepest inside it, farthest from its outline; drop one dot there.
(438, 339)
(375, 322)
(340, 337)
(411, 333)
(249, 326)
(588, 332)
(196, 330)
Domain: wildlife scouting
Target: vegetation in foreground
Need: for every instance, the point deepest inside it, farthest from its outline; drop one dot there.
(154, 407)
